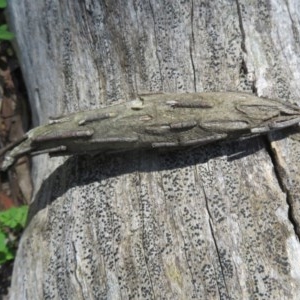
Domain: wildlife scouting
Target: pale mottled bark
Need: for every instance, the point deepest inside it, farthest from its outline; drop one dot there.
(207, 223)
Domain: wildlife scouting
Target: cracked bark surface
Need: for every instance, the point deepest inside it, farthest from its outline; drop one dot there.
(214, 222)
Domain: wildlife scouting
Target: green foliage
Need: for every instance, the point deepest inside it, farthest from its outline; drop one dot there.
(12, 223)
(14, 216)
(4, 33)
(3, 3)
(6, 253)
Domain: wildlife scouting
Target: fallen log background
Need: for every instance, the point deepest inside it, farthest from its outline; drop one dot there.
(215, 222)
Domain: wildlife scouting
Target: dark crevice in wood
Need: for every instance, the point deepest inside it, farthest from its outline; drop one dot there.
(280, 178)
(254, 88)
(219, 259)
(243, 45)
(244, 69)
(210, 220)
(144, 245)
(244, 73)
(292, 213)
(192, 43)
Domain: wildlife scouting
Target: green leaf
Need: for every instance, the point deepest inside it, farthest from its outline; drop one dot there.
(3, 27)
(5, 252)
(4, 33)
(14, 216)
(3, 238)
(3, 3)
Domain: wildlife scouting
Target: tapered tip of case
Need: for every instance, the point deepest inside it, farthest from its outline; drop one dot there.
(7, 163)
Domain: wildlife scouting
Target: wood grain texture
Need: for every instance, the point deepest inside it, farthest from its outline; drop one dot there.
(210, 223)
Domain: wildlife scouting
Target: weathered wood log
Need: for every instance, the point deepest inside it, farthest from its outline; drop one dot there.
(216, 222)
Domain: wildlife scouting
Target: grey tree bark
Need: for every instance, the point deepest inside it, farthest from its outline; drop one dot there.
(215, 222)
